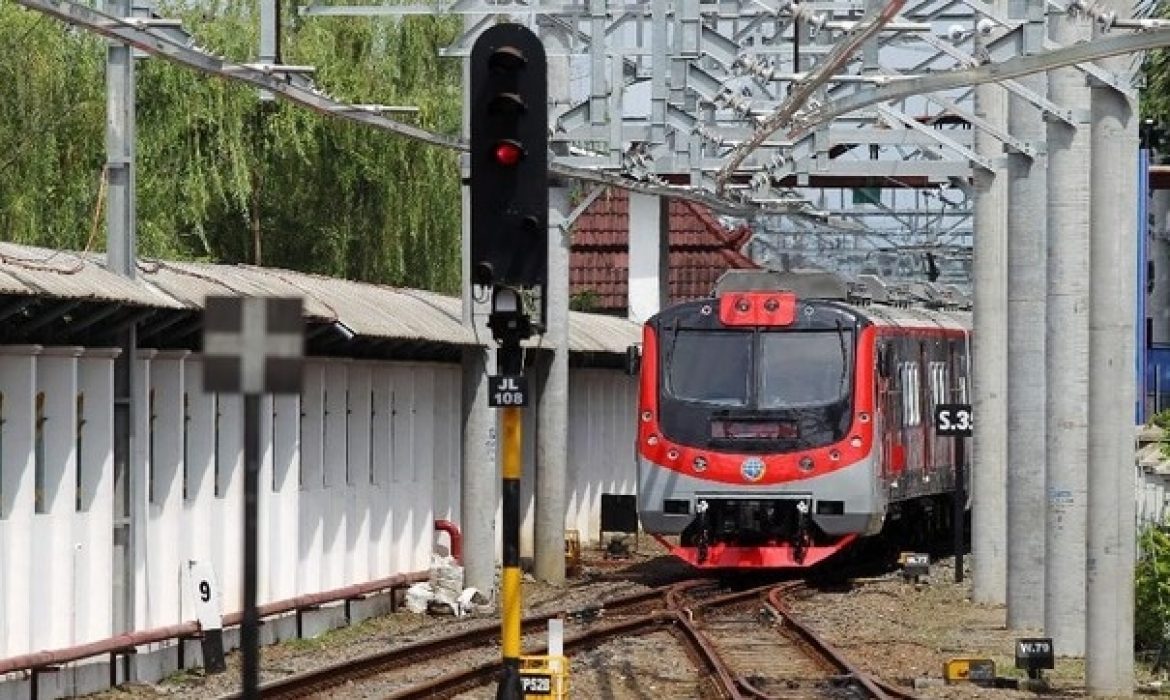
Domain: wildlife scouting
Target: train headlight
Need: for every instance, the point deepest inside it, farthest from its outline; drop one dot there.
(699, 464)
(652, 440)
(646, 416)
(855, 441)
(672, 453)
(834, 455)
(806, 464)
(863, 417)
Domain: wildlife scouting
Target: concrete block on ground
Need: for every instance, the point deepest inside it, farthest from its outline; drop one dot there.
(374, 606)
(314, 623)
(15, 688)
(88, 676)
(153, 663)
(280, 629)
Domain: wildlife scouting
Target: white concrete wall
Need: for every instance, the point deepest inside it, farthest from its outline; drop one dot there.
(199, 536)
(19, 387)
(93, 523)
(393, 428)
(602, 415)
(51, 570)
(602, 407)
(55, 559)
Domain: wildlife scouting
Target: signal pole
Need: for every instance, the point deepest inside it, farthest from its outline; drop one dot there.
(509, 253)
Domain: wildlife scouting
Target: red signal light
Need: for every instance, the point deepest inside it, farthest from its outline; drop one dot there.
(508, 153)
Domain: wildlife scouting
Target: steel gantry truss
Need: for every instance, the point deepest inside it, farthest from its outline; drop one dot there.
(763, 102)
(747, 106)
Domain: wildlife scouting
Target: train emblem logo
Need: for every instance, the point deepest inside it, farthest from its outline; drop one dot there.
(752, 468)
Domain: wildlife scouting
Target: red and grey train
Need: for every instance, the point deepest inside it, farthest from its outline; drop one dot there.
(790, 415)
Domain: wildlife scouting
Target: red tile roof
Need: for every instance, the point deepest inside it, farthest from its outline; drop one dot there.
(701, 249)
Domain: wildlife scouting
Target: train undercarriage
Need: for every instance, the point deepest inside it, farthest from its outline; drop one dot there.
(781, 533)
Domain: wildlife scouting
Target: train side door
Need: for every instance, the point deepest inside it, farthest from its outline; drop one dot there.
(891, 390)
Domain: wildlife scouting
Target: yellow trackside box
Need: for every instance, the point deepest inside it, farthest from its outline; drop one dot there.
(544, 677)
(978, 671)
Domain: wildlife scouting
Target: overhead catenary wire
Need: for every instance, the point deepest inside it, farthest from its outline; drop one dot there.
(293, 86)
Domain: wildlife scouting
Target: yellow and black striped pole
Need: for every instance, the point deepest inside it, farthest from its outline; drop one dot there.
(510, 684)
(508, 391)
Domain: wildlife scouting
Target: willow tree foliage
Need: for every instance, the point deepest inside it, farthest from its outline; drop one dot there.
(223, 176)
(1155, 96)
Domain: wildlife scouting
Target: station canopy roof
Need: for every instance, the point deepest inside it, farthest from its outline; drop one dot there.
(369, 311)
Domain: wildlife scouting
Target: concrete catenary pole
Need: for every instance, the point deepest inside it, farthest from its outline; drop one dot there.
(1026, 296)
(479, 495)
(989, 359)
(1067, 343)
(552, 431)
(552, 437)
(121, 255)
(649, 232)
(1109, 667)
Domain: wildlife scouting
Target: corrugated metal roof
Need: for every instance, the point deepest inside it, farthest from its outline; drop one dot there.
(597, 333)
(371, 310)
(188, 283)
(65, 275)
(381, 311)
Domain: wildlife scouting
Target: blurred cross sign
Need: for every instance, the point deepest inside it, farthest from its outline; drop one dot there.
(253, 345)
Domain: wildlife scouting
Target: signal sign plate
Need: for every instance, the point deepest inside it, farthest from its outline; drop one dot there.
(1035, 653)
(507, 390)
(953, 419)
(536, 685)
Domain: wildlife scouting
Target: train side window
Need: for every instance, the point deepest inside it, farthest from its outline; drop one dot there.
(938, 382)
(911, 386)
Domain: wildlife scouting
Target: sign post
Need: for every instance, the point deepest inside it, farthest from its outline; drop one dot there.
(956, 420)
(204, 598)
(252, 345)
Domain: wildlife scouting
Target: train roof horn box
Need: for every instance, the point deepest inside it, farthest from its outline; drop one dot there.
(806, 284)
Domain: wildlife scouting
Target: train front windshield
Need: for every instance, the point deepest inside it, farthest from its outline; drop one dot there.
(769, 370)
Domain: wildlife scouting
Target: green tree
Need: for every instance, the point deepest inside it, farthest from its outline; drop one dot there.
(225, 177)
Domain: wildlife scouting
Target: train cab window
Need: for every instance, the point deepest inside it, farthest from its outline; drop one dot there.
(693, 375)
(800, 370)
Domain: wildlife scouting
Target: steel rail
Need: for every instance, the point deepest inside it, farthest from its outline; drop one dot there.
(459, 681)
(681, 624)
(823, 648)
(322, 679)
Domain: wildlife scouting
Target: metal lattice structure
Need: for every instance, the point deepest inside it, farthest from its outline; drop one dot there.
(855, 119)
(756, 108)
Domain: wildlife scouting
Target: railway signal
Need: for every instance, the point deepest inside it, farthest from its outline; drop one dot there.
(509, 253)
(253, 346)
(509, 158)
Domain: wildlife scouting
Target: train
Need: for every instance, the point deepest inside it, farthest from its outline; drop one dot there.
(789, 417)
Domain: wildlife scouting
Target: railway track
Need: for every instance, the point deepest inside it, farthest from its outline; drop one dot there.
(743, 644)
